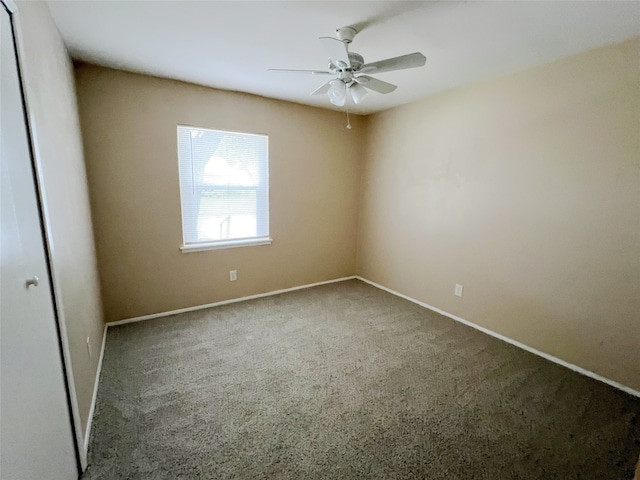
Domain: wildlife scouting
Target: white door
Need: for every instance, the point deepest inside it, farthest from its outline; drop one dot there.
(36, 439)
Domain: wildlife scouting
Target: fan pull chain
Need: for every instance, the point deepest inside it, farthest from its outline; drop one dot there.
(346, 105)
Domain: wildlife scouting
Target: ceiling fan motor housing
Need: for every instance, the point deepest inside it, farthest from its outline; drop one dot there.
(356, 61)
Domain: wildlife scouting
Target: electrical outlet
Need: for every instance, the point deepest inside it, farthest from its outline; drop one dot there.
(89, 346)
(458, 290)
(233, 275)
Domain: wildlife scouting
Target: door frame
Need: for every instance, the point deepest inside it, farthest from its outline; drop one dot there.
(36, 163)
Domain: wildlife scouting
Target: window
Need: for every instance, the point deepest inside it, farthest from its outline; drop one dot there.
(224, 188)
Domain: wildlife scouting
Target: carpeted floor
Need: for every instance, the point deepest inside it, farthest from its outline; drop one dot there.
(345, 381)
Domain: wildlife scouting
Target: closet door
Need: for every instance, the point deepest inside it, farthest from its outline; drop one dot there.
(36, 440)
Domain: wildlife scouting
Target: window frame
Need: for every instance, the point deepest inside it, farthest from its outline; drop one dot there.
(262, 211)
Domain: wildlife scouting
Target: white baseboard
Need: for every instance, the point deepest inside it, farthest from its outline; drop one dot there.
(529, 349)
(225, 302)
(87, 433)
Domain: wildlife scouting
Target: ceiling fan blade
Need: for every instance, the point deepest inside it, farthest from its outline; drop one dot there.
(322, 88)
(412, 60)
(312, 72)
(375, 84)
(337, 50)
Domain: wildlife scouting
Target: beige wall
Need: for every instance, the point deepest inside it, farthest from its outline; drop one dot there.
(129, 129)
(48, 75)
(526, 190)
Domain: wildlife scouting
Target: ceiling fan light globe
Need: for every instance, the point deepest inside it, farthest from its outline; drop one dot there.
(337, 93)
(358, 92)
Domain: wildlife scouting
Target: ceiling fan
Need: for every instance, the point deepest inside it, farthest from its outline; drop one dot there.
(350, 69)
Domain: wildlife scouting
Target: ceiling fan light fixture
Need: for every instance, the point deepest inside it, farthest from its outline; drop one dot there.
(358, 92)
(337, 93)
(351, 70)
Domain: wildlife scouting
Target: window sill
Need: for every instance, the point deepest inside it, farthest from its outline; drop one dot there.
(245, 242)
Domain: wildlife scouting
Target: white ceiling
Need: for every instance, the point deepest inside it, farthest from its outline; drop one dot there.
(231, 44)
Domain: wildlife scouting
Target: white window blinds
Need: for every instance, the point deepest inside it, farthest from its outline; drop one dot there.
(224, 188)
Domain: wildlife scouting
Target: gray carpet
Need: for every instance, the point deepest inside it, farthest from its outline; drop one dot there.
(345, 381)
